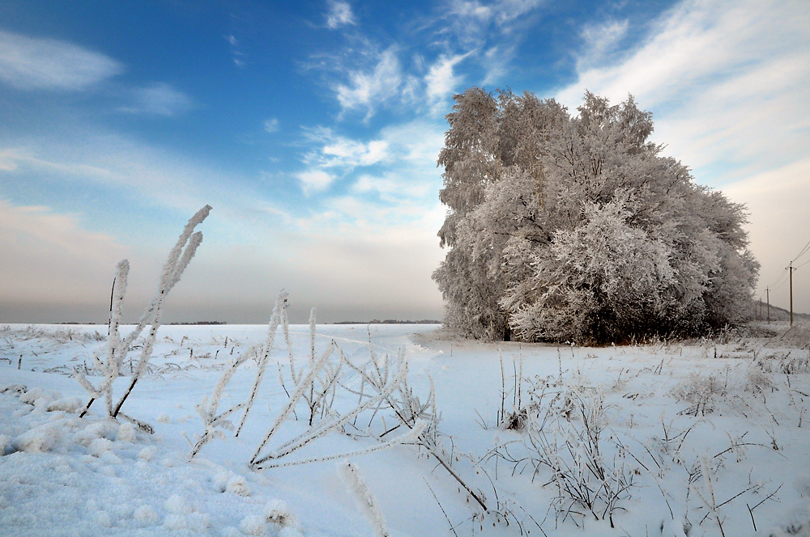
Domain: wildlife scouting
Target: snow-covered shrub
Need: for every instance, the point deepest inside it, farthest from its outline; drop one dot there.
(789, 363)
(118, 347)
(565, 227)
(316, 380)
(564, 434)
(702, 391)
(758, 381)
(611, 279)
(392, 376)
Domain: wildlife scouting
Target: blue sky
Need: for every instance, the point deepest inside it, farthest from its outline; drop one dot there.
(313, 128)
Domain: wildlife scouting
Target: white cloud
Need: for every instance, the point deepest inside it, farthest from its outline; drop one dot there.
(339, 14)
(416, 143)
(238, 55)
(600, 40)
(509, 11)
(409, 148)
(271, 125)
(441, 81)
(48, 64)
(12, 159)
(370, 88)
(336, 151)
(159, 99)
(344, 152)
(124, 168)
(472, 22)
(314, 180)
(727, 81)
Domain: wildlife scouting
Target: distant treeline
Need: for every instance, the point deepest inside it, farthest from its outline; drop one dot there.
(201, 323)
(776, 313)
(390, 321)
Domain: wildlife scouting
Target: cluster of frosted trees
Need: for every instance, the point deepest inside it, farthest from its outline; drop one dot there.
(576, 228)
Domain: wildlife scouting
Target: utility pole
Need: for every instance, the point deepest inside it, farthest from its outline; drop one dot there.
(768, 296)
(791, 293)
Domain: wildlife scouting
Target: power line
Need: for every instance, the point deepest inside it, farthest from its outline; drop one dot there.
(804, 251)
(800, 266)
(780, 281)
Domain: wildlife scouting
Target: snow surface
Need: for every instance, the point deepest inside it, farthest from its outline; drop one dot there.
(734, 408)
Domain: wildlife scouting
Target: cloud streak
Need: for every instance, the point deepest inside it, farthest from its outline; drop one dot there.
(744, 102)
(442, 81)
(159, 100)
(28, 63)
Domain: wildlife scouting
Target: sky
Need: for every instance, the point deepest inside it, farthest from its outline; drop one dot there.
(313, 129)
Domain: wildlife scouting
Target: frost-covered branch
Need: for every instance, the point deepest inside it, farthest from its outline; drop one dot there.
(279, 315)
(117, 347)
(363, 497)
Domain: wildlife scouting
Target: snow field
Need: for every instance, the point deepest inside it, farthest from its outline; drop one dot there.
(712, 434)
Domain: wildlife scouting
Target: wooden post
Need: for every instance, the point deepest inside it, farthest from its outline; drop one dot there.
(791, 293)
(768, 296)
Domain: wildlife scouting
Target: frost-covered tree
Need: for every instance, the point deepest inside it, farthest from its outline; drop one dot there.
(577, 228)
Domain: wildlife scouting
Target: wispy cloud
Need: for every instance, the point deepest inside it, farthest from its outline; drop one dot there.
(367, 89)
(334, 151)
(236, 51)
(271, 125)
(28, 63)
(441, 81)
(600, 41)
(496, 61)
(339, 14)
(120, 167)
(507, 12)
(314, 180)
(727, 81)
(473, 23)
(159, 99)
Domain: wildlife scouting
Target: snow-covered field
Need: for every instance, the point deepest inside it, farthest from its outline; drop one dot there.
(700, 438)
